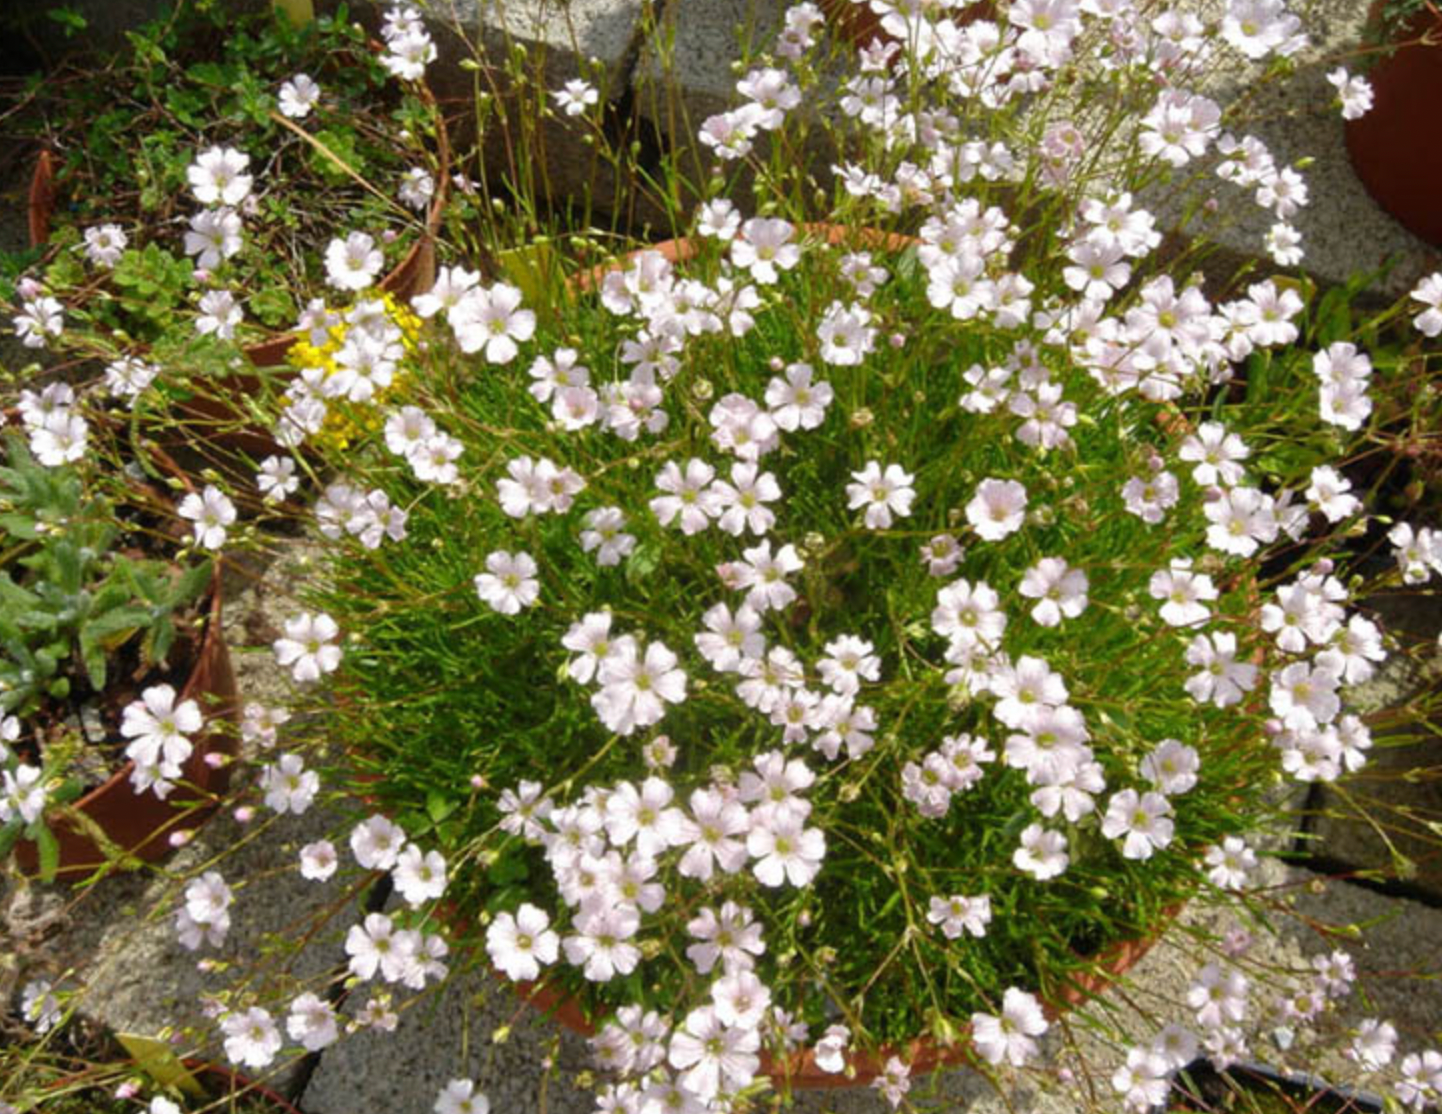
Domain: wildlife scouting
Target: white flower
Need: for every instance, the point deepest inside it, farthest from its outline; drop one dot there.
(1060, 590)
(604, 534)
(217, 177)
(1145, 821)
(846, 335)
(298, 96)
(252, 1038)
(957, 914)
(785, 850)
(308, 646)
(39, 1006)
(1042, 853)
(312, 1021)
(509, 582)
(491, 318)
(211, 512)
(60, 438)
(830, 1050)
(1185, 593)
(460, 1096)
(22, 794)
(219, 314)
(764, 576)
(353, 263)
(1011, 1036)
(575, 96)
(159, 731)
(127, 378)
(1171, 767)
(376, 843)
(419, 876)
(318, 861)
(796, 402)
(636, 688)
(1229, 863)
(1355, 93)
(881, 493)
(276, 478)
(416, 189)
(104, 244)
(997, 509)
(1428, 292)
(288, 786)
(214, 236)
(520, 944)
(409, 54)
(39, 317)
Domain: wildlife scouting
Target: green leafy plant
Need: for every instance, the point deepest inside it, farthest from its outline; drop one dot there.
(80, 602)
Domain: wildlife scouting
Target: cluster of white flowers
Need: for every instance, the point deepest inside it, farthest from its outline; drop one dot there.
(22, 790)
(57, 433)
(605, 853)
(204, 918)
(409, 46)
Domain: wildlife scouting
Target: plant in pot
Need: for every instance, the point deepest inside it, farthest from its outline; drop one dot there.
(1393, 150)
(115, 684)
(827, 652)
(819, 655)
(203, 178)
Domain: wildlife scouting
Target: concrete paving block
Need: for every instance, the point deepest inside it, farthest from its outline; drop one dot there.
(450, 1033)
(1343, 230)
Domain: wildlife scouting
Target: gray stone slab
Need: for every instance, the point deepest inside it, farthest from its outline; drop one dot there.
(473, 1027)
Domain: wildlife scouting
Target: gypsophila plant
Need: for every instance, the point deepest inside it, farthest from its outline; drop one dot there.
(860, 628)
(828, 644)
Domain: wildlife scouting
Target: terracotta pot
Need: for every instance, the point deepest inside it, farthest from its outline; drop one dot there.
(218, 411)
(141, 823)
(1396, 147)
(858, 24)
(924, 1054)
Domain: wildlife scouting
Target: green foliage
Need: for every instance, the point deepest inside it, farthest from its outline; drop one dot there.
(209, 75)
(69, 600)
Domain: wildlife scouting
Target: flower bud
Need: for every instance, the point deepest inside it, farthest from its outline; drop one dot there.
(244, 814)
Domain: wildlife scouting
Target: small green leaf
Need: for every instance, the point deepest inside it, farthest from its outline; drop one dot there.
(49, 848)
(9, 835)
(439, 806)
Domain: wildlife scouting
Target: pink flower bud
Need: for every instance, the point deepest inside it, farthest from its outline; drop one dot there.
(200, 275)
(897, 340)
(478, 781)
(730, 575)
(29, 288)
(215, 760)
(1273, 726)
(776, 363)
(179, 838)
(1324, 567)
(244, 814)
(389, 236)
(127, 1090)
